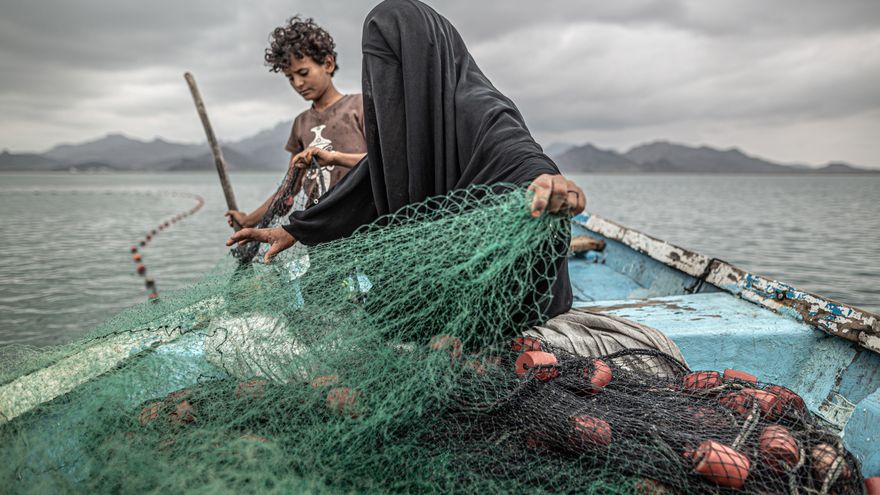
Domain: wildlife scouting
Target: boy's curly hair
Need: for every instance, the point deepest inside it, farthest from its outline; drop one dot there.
(300, 38)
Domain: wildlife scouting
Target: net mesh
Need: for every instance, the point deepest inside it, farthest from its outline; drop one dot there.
(393, 361)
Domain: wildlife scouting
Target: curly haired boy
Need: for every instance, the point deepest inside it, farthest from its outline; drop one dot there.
(331, 131)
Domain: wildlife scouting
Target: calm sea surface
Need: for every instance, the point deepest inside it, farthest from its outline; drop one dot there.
(65, 263)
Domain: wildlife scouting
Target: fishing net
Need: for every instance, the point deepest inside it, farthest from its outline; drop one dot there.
(288, 198)
(393, 361)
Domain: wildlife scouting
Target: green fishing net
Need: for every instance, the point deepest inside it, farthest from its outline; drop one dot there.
(392, 361)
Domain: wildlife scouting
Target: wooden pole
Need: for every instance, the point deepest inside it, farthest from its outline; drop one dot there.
(215, 147)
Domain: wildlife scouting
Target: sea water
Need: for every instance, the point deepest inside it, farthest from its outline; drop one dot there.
(65, 263)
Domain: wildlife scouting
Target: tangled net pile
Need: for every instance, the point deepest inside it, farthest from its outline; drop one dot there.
(393, 361)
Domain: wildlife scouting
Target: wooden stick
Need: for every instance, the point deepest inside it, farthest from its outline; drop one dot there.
(215, 147)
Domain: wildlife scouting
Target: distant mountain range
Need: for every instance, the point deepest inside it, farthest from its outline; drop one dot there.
(264, 151)
(115, 152)
(666, 157)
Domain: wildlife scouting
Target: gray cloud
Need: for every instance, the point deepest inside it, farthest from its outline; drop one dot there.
(789, 80)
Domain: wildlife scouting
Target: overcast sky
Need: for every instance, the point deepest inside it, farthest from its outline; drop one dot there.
(788, 80)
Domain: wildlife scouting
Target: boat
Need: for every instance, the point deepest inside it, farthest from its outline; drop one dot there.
(724, 317)
(719, 315)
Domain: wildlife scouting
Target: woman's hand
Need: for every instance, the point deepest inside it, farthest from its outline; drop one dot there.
(277, 238)
(556, 194)
(304, 158)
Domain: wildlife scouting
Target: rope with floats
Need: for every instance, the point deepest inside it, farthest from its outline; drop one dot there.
(136, 249)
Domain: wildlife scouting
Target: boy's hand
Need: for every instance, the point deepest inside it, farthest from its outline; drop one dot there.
(277, 238)
(304, 158)
(239, 217)
(556, 194)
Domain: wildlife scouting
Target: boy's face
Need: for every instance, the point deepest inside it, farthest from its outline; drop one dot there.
(309, 78)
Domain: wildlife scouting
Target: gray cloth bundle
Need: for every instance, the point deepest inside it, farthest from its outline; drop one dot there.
(588, 333)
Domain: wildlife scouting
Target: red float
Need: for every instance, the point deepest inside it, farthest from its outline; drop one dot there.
(523, 344)
(822, 457)
(590, 431)
(324, 380)
(741, 402)
(541, 365)
(702, 380)
(598, 375)
(140, 268)
(182, 413)
(787, 399)
(251, 389)
(778, 448)
(482, 365)
(731, 374)
(149, 413)
(446, 343)
(721, 464)
(345, 402)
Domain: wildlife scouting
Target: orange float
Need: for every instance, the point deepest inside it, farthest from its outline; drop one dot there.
(787, 399)
(136, 257)
(182, 413)
(446, 343)
(767, 401)
(778, 448)
(741, 402)
(702, 380)
(590, 431)
(323, 381)
(731, 374)
(523, 344)
(482, 365)
(822, 457)
(251, 389)
(149, 413)
(541, 365)
(345, 402)
(721, 464)
(598, 375)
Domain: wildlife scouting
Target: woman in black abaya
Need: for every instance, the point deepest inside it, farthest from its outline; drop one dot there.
(434, 123)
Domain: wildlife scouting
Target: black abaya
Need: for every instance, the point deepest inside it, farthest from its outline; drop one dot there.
(434, 123)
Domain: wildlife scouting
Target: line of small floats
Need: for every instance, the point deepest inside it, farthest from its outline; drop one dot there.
(136, 249)
(716, 462)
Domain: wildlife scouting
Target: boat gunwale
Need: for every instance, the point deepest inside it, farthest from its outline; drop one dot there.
(830, 316)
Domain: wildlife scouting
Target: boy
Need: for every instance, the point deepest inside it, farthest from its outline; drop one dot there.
(331, 131)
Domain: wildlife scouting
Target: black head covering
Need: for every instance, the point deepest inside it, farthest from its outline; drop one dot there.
(434, 123)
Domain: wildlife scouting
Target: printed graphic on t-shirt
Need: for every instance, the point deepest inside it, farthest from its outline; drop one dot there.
(325, 144)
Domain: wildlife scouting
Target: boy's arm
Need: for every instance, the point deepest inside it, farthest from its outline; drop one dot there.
(326, 158)
(253, 218)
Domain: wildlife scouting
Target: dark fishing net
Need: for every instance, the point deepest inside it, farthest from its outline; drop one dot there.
(288, 198)
(393, 361)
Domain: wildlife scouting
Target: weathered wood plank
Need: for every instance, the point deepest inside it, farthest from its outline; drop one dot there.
(689, 262)
(850, 323)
